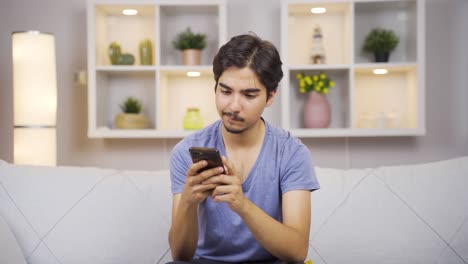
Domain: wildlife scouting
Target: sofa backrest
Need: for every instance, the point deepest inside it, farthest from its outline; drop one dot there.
(399, 214)
(87, 215)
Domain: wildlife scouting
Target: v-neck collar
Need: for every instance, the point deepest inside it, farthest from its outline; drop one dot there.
(248, 180)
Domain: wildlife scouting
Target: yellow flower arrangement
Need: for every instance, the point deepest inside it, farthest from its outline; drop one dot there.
(319, 83)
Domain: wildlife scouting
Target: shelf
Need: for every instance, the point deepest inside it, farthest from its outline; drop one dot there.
(126, 68)
(115, 87)
(395, 67)
(338, 97)
(303, 133)
(386, 101)
(207, 69)
(335, 27)
(163, 88)
(320, 67)
(363, 103)
(179, 92)
(111, 25)
(177, 18)
(397, 15)
(104, 132)
(331, 132)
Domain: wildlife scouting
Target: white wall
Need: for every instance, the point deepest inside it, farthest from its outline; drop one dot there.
(446, 92)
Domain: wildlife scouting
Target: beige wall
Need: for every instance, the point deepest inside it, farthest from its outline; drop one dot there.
(446, 92)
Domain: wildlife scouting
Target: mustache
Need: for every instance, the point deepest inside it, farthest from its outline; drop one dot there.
(233, 116)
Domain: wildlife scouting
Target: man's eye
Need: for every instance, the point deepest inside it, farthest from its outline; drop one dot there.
(225, 92)
(250, 96)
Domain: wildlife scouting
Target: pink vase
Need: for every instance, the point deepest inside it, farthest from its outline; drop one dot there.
(317, 111)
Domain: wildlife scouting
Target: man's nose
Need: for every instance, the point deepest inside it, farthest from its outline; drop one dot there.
(235, 104)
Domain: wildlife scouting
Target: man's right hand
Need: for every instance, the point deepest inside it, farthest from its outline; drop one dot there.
(195, 191)
(183, 234)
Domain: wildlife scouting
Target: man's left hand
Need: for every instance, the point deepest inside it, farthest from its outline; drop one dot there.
(230, 188)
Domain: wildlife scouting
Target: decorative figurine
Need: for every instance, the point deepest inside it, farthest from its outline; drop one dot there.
(318, 52)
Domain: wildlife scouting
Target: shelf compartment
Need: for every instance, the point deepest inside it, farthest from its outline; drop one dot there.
(202, 19)
(338, 97)
(388, 101)
(336, 31)
(397, 15)
(111, 25)
(179, 92)
(115, 87)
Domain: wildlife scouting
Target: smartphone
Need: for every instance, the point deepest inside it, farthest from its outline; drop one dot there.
(211, 155)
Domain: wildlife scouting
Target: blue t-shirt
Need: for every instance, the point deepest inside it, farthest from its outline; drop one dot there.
(284, 164)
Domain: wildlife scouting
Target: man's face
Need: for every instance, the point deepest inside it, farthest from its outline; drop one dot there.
(240, 99)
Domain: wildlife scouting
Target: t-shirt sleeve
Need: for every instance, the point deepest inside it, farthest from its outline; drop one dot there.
(179, 163)
(298, 172)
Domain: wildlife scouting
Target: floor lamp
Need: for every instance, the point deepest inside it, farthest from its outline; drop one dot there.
(35, 98)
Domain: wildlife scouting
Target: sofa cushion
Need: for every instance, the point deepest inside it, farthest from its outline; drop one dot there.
(87, 215)
(10, 252)
(397, 214)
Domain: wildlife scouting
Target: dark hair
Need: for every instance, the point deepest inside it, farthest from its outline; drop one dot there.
(250, 51)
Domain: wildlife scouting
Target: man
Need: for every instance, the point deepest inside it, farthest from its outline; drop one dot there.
(259, 210)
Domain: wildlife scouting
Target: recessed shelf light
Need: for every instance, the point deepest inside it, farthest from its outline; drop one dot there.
(193, 74)
(318, 10)
(380, 71)
(129, 12)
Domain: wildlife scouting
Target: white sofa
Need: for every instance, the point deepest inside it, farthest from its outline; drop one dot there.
(401, 214)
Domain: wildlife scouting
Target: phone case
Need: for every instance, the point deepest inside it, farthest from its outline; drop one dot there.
(211, 155)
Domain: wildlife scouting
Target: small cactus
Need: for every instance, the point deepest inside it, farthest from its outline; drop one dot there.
(131, 106)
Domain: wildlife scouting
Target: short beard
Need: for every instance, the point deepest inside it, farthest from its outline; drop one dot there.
(237, 118)
(234, 131)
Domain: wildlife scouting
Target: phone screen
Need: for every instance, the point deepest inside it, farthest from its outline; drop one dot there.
(211, 155)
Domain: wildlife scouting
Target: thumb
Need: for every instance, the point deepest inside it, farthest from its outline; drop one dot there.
(228, 166)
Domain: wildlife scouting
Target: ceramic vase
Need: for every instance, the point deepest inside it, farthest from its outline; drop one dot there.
(193, 119)
(146, 52)
(317, 111)
(191, 57)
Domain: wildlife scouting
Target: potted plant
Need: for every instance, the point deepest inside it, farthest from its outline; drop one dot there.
(381, 42)
(317, 110)
(131, 118)
(191, 44)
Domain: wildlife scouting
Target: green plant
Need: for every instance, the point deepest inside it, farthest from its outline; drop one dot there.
(380, 41)
(189, 40)
(131, 106)
(314, 82)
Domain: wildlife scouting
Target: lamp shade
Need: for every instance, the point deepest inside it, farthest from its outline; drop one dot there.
(35, 146)
(35, 97)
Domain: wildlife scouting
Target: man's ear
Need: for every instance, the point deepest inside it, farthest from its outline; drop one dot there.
(271, 98)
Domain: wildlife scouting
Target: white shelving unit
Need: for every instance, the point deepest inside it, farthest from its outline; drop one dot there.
(360, 99)
(164, 89)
